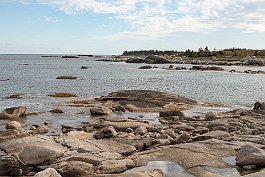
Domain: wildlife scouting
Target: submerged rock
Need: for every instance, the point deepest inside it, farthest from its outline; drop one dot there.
(56, 111)
(146, 67)
(15, 96)
(66, 77)
(14, 112)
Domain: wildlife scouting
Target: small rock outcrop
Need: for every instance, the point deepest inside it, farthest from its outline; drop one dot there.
(13, 125)
(100, 111)
(62, 95)
(146, 67)
(107, 132)
(13, 113)
(56, 111)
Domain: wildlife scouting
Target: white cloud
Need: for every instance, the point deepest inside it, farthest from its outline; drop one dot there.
(158, 18)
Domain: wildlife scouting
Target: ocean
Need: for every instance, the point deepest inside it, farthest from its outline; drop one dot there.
(35, 77)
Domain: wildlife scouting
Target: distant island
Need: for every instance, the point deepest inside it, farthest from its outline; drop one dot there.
(235, 53)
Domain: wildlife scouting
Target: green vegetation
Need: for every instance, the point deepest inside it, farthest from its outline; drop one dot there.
(232, 53)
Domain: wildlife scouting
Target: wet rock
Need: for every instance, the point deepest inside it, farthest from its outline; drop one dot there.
(15, 96)
(249, 167)
(66, 77)
(250, 155)
(56, 111)
(141, 130)
(257, 105)
(100, 111)
(170, 113)
(37, 150)
(262, 106)
(74, 168)
(13, 113)
(62, 95)
(146, 67)
(115, 166)
(49, 172)
(84, 67)
(13, 125)
(107, 132)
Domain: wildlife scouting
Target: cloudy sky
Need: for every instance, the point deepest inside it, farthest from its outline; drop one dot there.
(112, 26)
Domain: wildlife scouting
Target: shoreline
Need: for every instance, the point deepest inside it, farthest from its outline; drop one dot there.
(131, 142)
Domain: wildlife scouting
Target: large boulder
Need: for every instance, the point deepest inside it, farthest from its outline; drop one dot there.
(250, 155)
(154, 59)
(146, 98)
(74, 168)
(37, 150)
(9, 165)
(13, 113)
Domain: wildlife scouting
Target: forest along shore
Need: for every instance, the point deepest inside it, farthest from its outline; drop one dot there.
(214, 144)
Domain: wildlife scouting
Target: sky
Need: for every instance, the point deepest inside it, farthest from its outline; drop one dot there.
(113, 26)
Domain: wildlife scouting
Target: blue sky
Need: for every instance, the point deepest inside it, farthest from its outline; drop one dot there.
(112, 26)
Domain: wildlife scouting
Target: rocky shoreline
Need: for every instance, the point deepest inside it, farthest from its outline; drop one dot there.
(155, 59)
(215, 144)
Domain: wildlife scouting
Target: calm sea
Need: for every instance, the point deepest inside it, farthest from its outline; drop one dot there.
(35, 77)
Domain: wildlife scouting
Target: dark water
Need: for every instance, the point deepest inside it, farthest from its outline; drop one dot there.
(35, 77)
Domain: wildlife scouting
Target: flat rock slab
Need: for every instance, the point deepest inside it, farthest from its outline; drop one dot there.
(124, 125)
(96, 146)
(34, 150)
(146, 98)
(190, 156)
